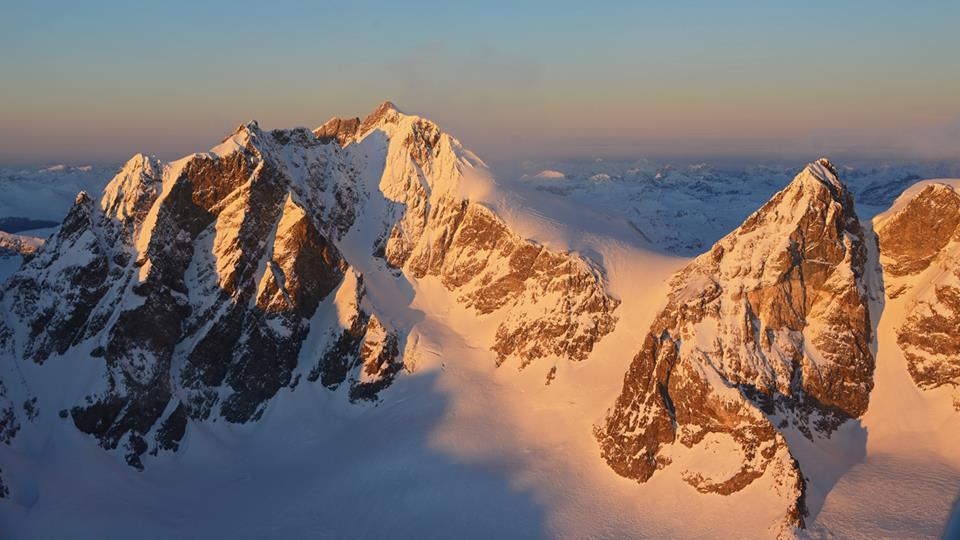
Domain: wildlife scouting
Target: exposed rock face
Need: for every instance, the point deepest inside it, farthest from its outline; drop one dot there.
(474, 253)
(770, 327)
(340, 130)
(915, 235)
(211, 265)
(920, 253)
(442, 233)
(205, 286)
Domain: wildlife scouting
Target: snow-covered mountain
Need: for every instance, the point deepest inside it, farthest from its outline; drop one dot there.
(769, 330)
(204, 286)
(769, 337)
(356, 331)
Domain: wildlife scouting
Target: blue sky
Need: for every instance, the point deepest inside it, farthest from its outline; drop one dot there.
(98, 81)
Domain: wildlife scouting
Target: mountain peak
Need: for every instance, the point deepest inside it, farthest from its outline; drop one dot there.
(244, 131)
(391, 105)
(918, 230)
(204, 282)
(768, 327)
(387, 106)
(826, 163)
(139, 161)
(82, 198)
(823, 172)
(386, 112)
(344, 130)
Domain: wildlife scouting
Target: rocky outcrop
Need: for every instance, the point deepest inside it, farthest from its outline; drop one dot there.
(339, 130)
(916, 234)
(920, 253)
(9, 421)
(768, 329)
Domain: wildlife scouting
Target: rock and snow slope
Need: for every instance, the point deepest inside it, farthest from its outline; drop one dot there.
(350, 332)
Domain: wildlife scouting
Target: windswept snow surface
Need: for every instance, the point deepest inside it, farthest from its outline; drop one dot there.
(460, 448)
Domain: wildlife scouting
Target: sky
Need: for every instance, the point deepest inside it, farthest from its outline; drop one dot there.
(95, 82)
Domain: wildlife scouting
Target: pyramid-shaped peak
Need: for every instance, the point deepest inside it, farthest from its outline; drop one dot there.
(385, 112)
(821, 173)
(245, 129)
(824, 162)
(82, 198)
(387, 106)
(139, 161)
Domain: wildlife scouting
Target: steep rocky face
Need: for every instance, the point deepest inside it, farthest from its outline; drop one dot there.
(769, 328)
(920, 253)
(915, 235)
(339, 130)
(203, 287)
(361, 345)
(475, 255)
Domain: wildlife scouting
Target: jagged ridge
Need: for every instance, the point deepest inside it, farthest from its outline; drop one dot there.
(195, 284)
